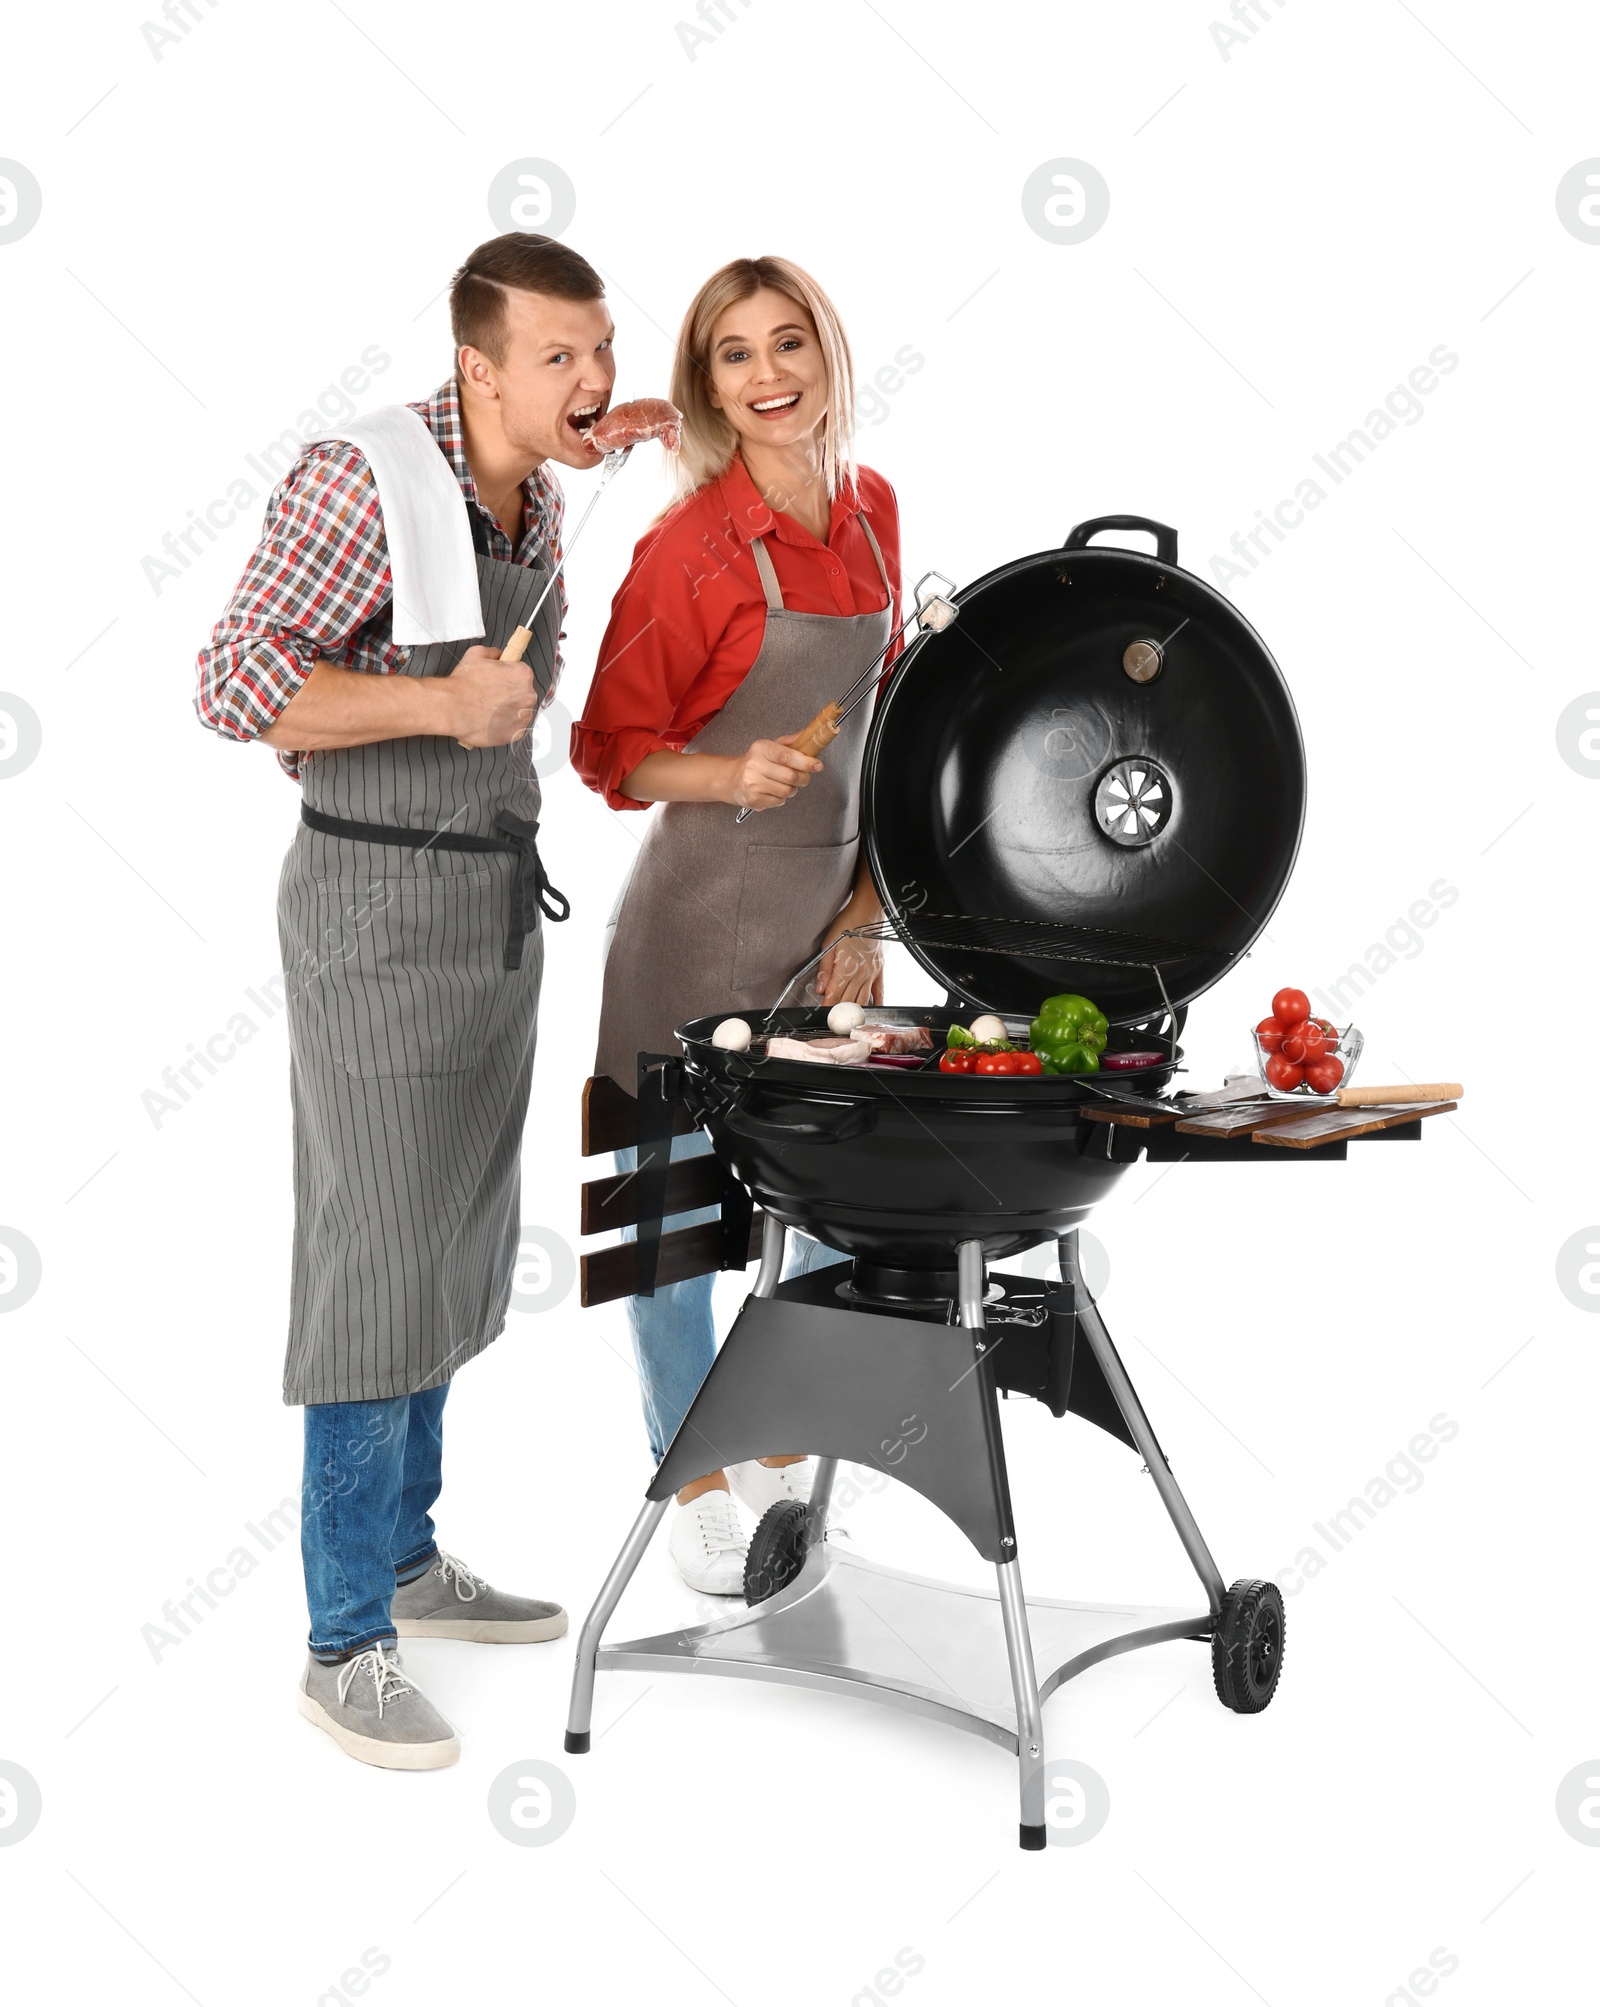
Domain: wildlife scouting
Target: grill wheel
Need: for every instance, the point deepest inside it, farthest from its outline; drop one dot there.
(1247, 1646)
(777, 1550)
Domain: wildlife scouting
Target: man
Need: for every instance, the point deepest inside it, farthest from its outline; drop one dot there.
(363, 644)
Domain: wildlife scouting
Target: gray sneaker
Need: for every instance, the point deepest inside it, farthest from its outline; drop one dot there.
(449, 1601)
(374, 1713)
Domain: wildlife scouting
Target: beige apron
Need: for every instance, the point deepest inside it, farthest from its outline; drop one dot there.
(718, 915)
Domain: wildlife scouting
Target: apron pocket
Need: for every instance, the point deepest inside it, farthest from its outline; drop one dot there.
(401, 976)
(788, 897)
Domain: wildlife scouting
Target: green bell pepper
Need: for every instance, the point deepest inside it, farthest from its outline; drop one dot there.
(1069, 1035)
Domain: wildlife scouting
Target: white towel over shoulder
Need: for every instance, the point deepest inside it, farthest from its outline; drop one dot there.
(431, 559)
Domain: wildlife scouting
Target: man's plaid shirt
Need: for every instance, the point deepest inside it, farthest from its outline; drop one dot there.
(319, 585)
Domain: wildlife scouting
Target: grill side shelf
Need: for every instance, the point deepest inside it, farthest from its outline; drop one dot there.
(611, 1118)
(1342, 1125)
(612, 1272)
(1122, 1117)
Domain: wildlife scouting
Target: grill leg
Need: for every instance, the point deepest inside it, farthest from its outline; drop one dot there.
(1013, 1607)
(774, 1239)
(1093, 1328)
(1025, 1693)
(581, 1710)
(821, 1496)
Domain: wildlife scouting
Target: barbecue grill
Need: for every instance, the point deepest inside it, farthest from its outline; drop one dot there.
(1093, 780)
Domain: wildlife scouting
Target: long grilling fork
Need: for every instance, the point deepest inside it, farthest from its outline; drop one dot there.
(515, 647)
(934, 613)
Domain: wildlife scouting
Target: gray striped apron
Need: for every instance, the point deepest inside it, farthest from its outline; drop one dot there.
(410, 1042)
(718, 915)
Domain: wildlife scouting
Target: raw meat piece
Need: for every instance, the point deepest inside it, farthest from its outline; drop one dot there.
(641, 418)
(899, 1037)
(824, 1051)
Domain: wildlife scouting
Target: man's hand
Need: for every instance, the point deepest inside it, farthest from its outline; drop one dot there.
(494, 701)
(482, 702)
(768, 774)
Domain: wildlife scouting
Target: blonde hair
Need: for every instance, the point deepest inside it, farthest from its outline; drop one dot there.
(709, 441)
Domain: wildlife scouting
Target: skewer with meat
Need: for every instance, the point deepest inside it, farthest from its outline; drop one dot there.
(614, 435)
(630, 424)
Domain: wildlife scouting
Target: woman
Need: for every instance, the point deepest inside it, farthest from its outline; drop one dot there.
(760, 595)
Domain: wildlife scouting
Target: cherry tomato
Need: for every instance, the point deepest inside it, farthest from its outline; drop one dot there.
(1027, 1062)
(996, 1062)
(1269, 1034)
(1303, 1042)
(1329, 1030)
(1291, 1007)
(1282, 1073)
(957, 1061)
(1323, 1075)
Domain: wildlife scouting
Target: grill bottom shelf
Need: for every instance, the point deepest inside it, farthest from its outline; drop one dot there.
(846, 1625)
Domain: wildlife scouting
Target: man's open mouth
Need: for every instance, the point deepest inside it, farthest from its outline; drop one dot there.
(769, 407)
(585, 416)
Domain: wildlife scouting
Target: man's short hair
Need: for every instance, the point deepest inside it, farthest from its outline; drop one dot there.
(520, 261)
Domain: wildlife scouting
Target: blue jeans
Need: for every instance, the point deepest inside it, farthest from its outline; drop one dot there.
(674, 1337)
(372, 1473)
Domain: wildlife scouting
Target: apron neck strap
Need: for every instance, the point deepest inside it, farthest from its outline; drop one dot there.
(866, 531)
(769, 576)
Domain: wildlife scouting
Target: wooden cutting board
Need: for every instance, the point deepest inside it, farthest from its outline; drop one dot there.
(1339, 1125)
(1242, 1120)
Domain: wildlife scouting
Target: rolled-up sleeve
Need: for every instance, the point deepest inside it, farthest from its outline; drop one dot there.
(320, 571)
(657, 650)
(629, 712)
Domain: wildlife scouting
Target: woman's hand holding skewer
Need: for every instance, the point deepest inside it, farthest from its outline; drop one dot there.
(769, 773)
(765, 776)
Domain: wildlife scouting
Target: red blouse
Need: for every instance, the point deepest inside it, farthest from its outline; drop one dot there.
(687, 621)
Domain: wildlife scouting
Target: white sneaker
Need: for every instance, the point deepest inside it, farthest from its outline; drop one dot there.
(757, 1488)
(707, 1545)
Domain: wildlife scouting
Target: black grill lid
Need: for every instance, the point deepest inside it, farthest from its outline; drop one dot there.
(1093, 781)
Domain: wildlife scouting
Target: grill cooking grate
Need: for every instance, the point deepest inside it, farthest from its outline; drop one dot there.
(1042, 940)
(1031, 940)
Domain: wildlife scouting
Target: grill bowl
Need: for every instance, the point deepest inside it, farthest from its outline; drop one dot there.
(894, 1167)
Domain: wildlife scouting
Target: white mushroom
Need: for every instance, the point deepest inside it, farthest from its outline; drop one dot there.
(732, 1035)
(987, 1029)
(844, 1017)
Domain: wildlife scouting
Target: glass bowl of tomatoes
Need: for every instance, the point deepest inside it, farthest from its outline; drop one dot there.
(1308, 1063)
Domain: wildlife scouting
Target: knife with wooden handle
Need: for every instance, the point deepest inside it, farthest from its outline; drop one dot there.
(1378, 1097)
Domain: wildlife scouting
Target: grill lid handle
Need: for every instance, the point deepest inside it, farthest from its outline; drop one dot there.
(1166, 537)
(844, 1123)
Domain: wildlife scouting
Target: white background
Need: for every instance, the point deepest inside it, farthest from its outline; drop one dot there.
(1293, 227)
